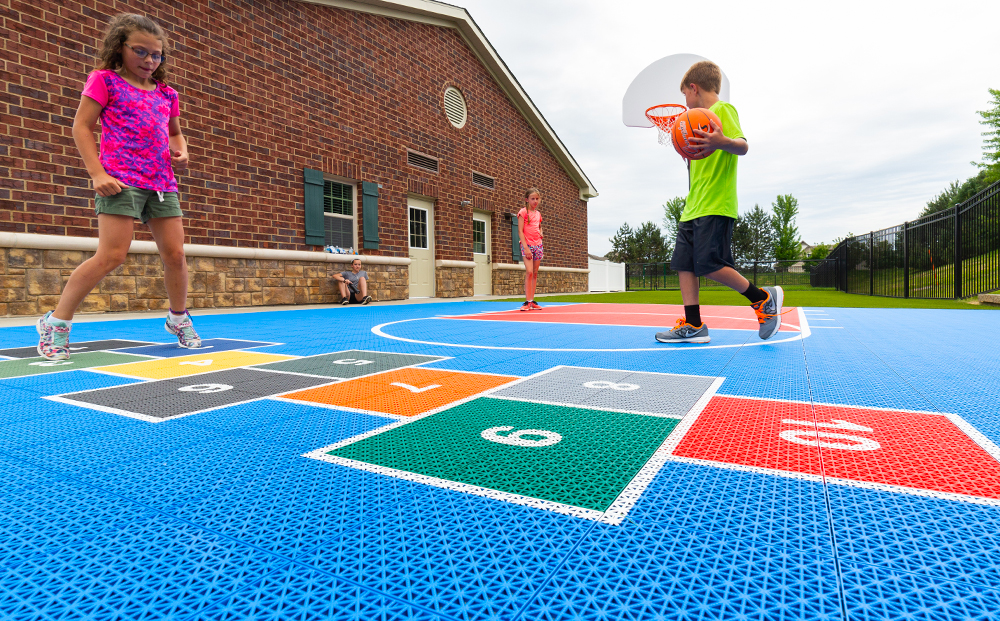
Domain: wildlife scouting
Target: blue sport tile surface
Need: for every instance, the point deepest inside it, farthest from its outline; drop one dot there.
(227, 514)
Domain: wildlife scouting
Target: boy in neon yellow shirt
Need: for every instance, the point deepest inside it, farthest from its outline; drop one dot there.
(705, 234)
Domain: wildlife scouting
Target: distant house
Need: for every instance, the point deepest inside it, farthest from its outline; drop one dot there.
(804, 250)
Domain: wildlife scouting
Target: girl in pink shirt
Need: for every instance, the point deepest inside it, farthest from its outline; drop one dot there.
(529, 230)
(133, 174)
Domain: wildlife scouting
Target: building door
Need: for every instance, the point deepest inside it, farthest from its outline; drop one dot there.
(421, 248)
(481, 254)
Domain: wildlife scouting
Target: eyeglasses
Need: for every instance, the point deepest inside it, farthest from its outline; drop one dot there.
(142, 54)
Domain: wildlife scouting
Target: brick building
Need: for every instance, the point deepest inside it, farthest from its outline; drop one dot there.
(390, 127)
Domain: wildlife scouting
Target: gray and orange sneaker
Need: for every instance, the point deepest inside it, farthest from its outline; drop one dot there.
(683, 332)
(769, 311)
(53, 340)
(526, 306)
(535, 305)
(183, 329)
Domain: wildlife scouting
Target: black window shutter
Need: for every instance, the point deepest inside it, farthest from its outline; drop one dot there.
(515, 241)
(369, 214)
(315, 231)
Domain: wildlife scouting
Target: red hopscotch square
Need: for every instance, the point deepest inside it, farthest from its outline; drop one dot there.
(909, 449)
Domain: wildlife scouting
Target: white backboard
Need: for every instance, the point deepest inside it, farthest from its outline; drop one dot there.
(660, 83)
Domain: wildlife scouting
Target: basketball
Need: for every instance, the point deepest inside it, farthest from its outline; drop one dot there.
(684, 126)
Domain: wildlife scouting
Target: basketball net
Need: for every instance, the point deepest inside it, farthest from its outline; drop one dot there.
(663, 117)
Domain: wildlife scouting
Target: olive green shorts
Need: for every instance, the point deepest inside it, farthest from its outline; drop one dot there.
(140, 204)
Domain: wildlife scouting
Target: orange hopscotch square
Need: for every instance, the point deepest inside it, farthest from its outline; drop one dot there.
(403, 392)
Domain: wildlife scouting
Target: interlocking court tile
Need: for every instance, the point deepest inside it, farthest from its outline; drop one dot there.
(404, 392)
(348, 364)
(38, 366)
(75, 348)
(188, 365)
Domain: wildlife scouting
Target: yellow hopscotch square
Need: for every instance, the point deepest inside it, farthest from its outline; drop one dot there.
(187, 365)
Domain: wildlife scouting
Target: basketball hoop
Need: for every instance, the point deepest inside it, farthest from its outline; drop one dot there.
(663, 116)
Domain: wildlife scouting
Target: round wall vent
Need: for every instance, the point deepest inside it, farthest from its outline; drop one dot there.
(454, 107)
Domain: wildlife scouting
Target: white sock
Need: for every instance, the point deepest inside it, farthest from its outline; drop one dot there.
(172, 318)
(62, 323)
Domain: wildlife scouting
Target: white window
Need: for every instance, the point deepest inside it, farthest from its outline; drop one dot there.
(339, 209)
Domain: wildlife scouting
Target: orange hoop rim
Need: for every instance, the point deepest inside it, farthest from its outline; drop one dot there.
(663, 115)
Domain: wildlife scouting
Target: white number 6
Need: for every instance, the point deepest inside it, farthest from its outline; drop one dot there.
(516, 439)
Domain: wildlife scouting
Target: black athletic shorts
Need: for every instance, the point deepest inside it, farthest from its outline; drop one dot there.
(704, 245)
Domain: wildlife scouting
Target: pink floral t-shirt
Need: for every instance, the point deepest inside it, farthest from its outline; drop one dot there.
(135, 146)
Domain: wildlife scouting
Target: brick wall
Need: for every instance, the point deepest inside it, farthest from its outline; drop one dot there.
(267, 89)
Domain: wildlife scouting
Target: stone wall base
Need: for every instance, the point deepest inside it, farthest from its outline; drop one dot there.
(454, 282)
(511, 282)
(32, 279)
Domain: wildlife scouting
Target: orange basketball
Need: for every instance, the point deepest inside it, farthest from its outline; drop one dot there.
(684, 126)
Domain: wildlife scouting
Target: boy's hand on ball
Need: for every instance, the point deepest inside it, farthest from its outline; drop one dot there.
(106, 185)
(706, 143)
(179, 159)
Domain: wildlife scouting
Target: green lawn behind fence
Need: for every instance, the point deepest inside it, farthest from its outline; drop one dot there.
(794, 296)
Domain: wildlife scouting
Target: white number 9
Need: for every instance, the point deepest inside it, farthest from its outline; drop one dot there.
(516, 438)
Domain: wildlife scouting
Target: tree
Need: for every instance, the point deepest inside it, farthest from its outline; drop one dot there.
(753, 237)
(956, 193)
(650, 245)
(621, 245)
(786, 234)
(991, 142)
(817, 254)
(672, 210)
(642, 245)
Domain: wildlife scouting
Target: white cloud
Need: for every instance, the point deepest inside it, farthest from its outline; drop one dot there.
(862, 110)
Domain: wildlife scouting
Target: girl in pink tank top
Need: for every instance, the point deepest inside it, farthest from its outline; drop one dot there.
(529, 229)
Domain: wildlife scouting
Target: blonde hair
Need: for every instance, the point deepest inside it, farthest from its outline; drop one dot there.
(121, 26)
(530, 191)
(705, 74)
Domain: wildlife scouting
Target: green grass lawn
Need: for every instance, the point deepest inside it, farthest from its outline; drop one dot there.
(794, 296)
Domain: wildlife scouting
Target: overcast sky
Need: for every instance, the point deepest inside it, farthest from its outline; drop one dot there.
(864, 111)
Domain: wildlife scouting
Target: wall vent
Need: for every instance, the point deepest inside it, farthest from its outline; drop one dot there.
(454, 107)
(419, 160)
(483, 180)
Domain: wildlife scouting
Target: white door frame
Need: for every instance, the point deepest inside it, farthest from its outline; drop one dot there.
(426, 205)
(487, 218)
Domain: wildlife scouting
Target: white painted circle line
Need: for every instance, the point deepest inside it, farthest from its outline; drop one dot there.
(377, 330)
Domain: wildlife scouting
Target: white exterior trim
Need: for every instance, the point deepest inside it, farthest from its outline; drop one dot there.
(450, 263)
(89, 244)
(448, 16)
(542, 268)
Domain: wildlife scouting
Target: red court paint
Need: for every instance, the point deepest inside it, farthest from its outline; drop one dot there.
(909, 449)
(648, 315)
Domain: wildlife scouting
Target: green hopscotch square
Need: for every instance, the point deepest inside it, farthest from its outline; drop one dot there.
(597, 456)
(35, 366)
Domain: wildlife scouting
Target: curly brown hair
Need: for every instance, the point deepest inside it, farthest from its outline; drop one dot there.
(117, 33)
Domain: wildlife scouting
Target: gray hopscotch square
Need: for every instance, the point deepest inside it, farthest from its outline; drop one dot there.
(607, 389)
(164, 399)
(348, 364)
(74, 348)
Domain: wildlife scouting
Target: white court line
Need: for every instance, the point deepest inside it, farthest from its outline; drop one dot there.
(803, 326)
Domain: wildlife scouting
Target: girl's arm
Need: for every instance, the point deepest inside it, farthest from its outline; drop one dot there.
(178, 145)
(520, 232)
(83, 134)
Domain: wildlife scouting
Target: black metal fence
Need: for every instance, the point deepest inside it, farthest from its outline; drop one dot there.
(655, 276)
(949, 254)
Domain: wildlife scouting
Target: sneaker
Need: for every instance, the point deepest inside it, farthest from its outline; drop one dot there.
(184, 331)
(535, 306)
(53, 340)
(769, 311)
(526, 306)
(345, 302)
(367, 300)
(683, 332)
